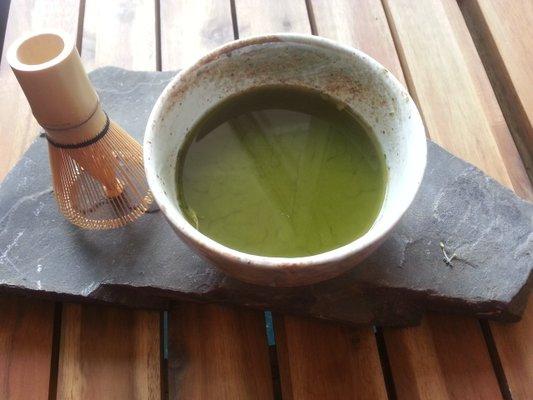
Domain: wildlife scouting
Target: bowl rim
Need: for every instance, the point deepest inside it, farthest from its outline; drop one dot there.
(207, 245)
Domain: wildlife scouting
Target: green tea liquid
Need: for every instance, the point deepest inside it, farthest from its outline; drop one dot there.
(281, 172)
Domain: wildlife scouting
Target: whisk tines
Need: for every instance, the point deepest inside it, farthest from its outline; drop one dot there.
(97, 167)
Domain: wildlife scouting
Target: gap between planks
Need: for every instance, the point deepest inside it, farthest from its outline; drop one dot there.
(316, 359)
(29, 323)
(214, 351)
(503, 34)
(510, 163)
(111, 352)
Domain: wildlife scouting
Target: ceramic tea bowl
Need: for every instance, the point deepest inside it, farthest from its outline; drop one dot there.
(341, 72)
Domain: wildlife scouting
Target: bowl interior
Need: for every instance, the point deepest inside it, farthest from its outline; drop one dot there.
(340, 72)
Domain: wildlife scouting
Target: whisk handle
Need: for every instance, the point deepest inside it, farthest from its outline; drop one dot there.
(49, 70)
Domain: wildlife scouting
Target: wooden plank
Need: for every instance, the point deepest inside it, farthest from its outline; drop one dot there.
(503, 33)
(507, 33)
(474, 122)
(17, 126)
(515, 349)
(108, 353)
(26, 334)
(26, 329)
(218, 352)
(320, 360)
(446, 76)
(214, 352)
(443, 358)
(361, 24)
(430, 369)
(120, 33)
(190, 28)
(258, 17)
(317, 360)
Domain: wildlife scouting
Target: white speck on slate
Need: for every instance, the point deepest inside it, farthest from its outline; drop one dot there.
(39, 208)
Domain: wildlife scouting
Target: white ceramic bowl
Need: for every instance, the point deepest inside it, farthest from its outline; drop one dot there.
(341, 72)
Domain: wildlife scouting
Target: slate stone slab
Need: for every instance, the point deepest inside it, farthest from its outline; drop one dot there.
(146, 265)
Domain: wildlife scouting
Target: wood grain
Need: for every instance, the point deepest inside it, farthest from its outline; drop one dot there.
(17, 126)
(26, 331)
(317, 361)
(515, 348)
(190, 28)
(443, 358)
(26, 327)
(259, 17)
(503, 34)
(417, 368)
(324, 361)
(215, 352)
(218, 352)
(120, 33)
(448, 56)
(358, 23)
(435, 346)
(108, 353)
(447, 78)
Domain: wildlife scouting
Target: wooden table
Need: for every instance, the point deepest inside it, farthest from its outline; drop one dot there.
(54, 350)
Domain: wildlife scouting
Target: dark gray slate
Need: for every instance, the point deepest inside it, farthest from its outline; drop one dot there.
(146, 265)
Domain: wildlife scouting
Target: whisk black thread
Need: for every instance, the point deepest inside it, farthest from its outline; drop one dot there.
(93, 140)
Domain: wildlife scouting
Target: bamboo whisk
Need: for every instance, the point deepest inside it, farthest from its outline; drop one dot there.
(97, 168)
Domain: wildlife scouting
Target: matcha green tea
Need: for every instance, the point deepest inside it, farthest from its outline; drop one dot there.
(281, 172)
